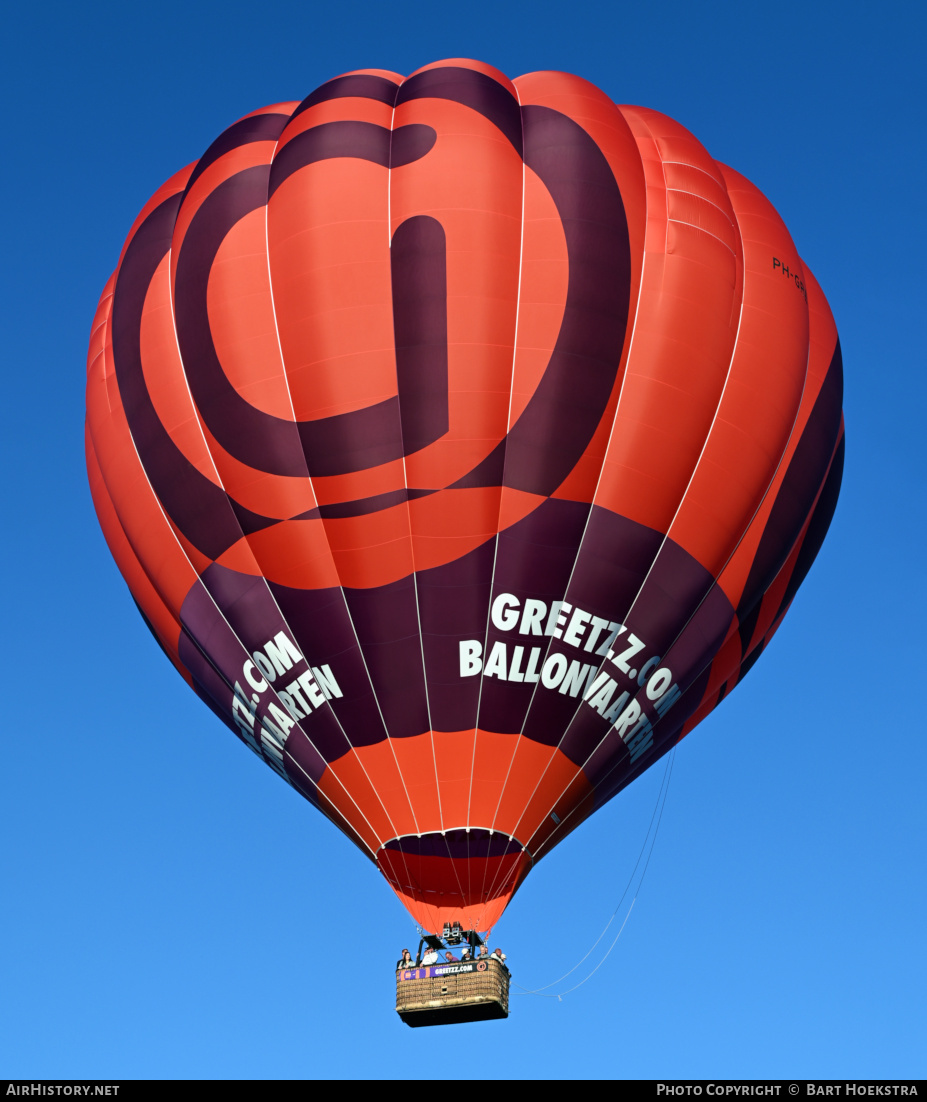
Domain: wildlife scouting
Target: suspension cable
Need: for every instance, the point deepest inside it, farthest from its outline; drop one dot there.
(651, 836)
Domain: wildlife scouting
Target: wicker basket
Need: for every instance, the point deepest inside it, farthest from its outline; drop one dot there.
(445, 994)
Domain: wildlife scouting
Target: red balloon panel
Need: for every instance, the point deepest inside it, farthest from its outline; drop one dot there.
(463, 442)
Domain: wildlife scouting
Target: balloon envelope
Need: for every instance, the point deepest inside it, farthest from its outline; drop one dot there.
(463, 442)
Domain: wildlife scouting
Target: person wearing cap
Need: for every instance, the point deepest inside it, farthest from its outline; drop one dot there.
(466, 954)
(498, 955)
(431, 957)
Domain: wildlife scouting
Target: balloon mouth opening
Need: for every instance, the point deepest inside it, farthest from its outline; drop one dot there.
(461, 875)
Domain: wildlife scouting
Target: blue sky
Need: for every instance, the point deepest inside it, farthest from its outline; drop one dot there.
(164, 917)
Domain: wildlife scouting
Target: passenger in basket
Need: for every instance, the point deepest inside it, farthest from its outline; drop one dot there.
(498, 955)
(483, 953)
(450, 958)
(405, 961)
(430, 958)
(466, 955)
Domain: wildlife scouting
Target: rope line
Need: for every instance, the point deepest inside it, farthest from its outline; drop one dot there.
(651, 836)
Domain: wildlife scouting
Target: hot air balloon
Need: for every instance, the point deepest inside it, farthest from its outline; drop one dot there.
(463, 442)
